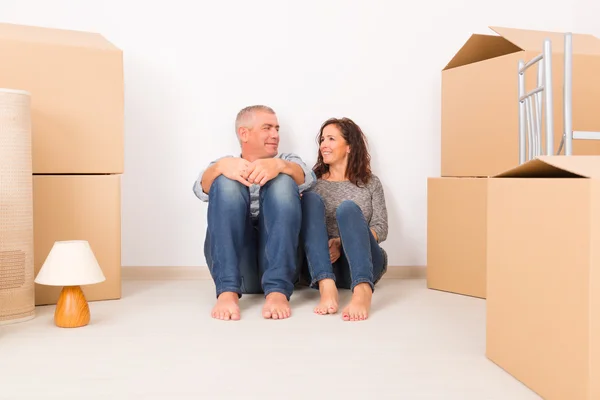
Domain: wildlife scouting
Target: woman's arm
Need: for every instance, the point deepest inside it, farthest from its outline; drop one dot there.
(379, 220)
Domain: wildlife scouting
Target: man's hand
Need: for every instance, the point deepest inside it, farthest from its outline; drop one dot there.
(236, 169)
(263, 170)
(335, 246)
(232, 168)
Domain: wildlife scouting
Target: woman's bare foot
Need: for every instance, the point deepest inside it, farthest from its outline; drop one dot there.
(227, 307)
(358, 309)
(276, 306)
(329, 297)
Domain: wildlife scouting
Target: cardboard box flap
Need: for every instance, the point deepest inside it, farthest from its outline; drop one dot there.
(480, 48)
(60, 37)
(556, 167)
(534, 40)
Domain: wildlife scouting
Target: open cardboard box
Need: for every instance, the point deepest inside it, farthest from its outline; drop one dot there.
(480, 120)
(543, 275)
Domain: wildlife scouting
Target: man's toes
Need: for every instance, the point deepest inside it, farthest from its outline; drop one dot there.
(266, 314)
(235, 316)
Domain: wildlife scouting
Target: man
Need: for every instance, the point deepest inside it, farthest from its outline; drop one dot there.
(254, 217)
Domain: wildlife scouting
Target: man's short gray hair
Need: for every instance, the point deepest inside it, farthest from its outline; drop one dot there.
(244, 117)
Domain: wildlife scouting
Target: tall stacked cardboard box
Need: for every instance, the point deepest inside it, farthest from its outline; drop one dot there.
(480, 140)
(77, 104)
(525, 237)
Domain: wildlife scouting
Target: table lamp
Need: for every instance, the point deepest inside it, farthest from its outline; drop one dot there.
(71, 263)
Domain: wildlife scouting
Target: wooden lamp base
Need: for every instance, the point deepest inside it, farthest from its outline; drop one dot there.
(72, 310)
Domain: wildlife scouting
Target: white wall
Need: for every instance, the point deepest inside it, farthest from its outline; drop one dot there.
(585, 16)
(190, 66)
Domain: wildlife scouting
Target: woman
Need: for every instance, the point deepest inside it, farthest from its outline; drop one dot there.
(344, 218)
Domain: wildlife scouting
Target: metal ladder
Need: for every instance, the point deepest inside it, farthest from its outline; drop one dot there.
(532, 106)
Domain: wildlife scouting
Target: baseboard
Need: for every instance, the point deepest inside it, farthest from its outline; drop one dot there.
(197, 273)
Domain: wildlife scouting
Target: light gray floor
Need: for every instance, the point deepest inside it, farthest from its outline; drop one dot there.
(158, 342)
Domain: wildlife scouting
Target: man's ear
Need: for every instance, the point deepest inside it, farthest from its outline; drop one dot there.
(243, 134)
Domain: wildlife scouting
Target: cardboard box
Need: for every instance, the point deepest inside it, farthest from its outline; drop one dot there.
(79, 207)
(480, 119)
(543, 289)
(457, 235)
(77, 97)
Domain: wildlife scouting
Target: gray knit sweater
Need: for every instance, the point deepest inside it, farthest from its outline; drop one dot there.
(369, 198)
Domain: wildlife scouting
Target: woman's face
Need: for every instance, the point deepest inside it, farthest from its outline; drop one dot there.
(333, 148)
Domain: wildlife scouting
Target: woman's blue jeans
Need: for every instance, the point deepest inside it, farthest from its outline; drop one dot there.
(361, 260)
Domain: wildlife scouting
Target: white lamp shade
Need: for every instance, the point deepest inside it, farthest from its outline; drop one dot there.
(70, 263)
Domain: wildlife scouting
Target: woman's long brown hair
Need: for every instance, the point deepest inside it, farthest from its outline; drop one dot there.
(359, 159)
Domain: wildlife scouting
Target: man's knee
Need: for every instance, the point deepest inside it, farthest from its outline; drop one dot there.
(281, 198)
(347, 208)
(312, 202)
(282, 188)
(312, 198)
(227, 189)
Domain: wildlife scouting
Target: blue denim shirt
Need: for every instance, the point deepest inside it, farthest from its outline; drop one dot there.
(310, 180)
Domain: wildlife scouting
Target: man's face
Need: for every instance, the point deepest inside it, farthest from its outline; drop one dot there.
(262, 139)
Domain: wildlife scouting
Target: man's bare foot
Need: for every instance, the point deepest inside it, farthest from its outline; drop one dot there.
(276, 306)
(329, 297)
(227, 307)
(358, 309)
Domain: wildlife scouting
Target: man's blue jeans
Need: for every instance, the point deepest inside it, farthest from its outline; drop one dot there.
(361, 258)
(248, 255)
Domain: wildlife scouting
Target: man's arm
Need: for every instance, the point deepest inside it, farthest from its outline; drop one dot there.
(263, 170)
(305, 177)
(210, 174)
(294, 170)
(201, 184)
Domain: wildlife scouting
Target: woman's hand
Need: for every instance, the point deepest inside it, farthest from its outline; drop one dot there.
(335, 246)
(375, 235)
